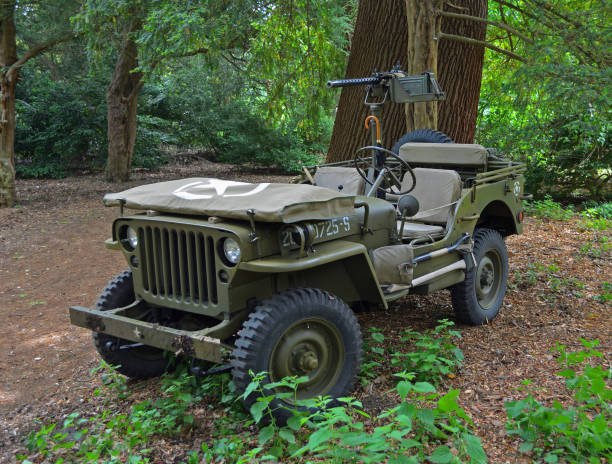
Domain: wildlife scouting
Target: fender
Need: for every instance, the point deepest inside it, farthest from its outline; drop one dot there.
(353, 277)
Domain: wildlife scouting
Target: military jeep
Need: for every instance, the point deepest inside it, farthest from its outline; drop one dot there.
(262, 277)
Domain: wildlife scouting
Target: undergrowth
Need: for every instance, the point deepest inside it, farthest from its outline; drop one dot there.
(431, 356)
(425, 425)
(577, 433)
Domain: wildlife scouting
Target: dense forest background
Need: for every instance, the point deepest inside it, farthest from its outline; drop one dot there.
(244, 82)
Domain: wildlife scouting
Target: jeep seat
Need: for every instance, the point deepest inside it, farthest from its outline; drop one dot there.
(340, 179)
(455, 155)
(437, 190)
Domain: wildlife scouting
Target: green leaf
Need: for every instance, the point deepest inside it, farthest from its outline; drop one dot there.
(473, 446)
(287, 435)
(526, 447)
(403, 388)
(551, 458)
(295, 423)
(318, 437)
(424, 387)
(442, 455)
(266, 434)
(258, 409)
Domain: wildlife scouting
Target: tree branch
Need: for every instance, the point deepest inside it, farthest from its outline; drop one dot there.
(35, 51)
(482, 43)
(514, 7)
(505, 27)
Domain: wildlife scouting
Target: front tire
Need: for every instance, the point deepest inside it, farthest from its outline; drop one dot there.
(299, 332)
(479, 297)
(138, 363)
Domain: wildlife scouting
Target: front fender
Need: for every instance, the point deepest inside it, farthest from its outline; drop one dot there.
(341, 267)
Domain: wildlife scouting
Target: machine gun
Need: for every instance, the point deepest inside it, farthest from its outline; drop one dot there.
(396, 84)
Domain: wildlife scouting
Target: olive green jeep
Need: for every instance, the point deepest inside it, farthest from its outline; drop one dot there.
(262, 277)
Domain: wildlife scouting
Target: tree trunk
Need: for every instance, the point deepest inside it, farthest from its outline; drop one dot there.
(460, 71)
(8, 84)
(122, 104)
(422, 49)
(379, 42)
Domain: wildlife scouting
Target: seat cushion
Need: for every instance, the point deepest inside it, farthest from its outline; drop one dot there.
(445, 154)
(434, 189)
(414, 230)
(334, 177)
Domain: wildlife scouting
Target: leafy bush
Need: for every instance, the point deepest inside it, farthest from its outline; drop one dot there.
(578, 433)
(431, 356)
(548, 208)
(224, 116)
(60, 125)
(337, 432)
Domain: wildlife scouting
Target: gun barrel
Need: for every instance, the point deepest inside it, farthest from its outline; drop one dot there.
(354, 82)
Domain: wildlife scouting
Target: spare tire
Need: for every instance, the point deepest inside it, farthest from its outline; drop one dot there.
(422, 136)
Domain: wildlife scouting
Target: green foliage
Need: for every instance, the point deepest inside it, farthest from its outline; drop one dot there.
(431, 356)
(578, 433)
(598, 210)
(61, 125)
(114, 436)
(336, 432)
(557, 103)
(435, 357)
(597, 249)
(548, 208)
(606, 293)
(550, 276)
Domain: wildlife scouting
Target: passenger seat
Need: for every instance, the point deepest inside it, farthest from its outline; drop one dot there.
(437, 191)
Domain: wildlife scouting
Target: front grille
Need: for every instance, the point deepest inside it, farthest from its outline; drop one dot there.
(178, 265)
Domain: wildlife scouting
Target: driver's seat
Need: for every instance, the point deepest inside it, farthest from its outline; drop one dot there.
(437, 191)
(340, 179)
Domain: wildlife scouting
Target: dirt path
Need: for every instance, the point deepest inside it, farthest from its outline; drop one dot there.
(52, 256)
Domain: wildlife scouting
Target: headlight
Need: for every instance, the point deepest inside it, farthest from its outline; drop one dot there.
(129, 238)
(132, 237)
(231, 250)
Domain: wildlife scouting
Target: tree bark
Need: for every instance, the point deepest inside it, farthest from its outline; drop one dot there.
(122, 104)
(8, 85)
(460, 71)
(422, 50)
(379, 42)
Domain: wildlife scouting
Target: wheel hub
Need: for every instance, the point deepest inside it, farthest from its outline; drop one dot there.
(488, 279)
(309, 361)
(311, 348)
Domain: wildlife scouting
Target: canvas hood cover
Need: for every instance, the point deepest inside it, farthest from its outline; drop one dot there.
(286, 203)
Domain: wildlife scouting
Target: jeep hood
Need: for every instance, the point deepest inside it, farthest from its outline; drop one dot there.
(202, 196)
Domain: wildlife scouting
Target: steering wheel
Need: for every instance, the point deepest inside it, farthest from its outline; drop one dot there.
(392, 179)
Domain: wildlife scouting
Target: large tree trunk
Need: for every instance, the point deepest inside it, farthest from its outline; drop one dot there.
(460, 71)
(422, 49)
(122, 104)
(8, 84)
(380, 40)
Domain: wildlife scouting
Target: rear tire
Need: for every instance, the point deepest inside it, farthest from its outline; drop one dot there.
(422, 136)
(137, 363)
(299, 332)
(479, 297)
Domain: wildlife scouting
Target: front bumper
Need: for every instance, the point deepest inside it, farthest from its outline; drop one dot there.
(112, 322)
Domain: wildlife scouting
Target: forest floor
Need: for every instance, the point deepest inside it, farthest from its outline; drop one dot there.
(52, 256)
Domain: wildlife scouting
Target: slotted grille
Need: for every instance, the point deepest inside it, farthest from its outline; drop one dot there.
(178, 265)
